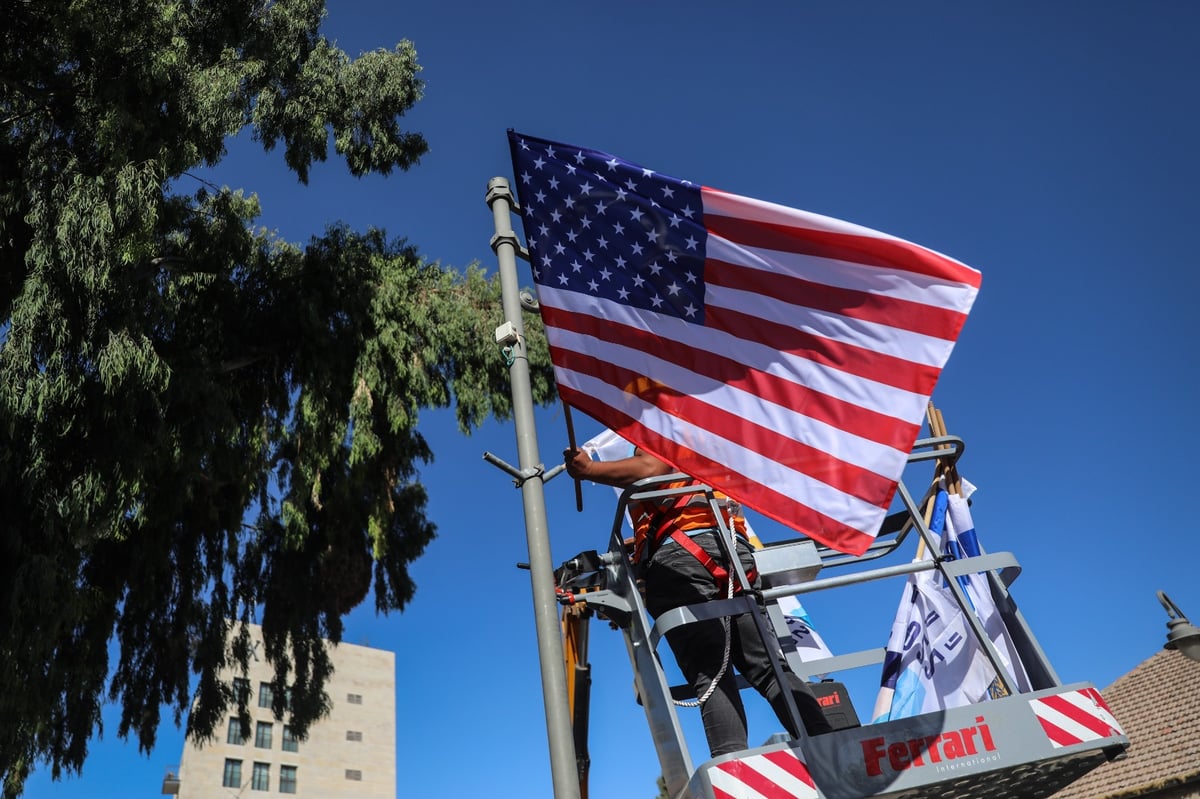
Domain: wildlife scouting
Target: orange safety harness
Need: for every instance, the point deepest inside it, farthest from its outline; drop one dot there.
(663, 520)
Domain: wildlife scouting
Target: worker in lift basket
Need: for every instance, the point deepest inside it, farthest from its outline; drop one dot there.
(675, 542)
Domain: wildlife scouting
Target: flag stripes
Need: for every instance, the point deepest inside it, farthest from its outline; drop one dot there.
(727, 214)
(777, 486)
(801, 379)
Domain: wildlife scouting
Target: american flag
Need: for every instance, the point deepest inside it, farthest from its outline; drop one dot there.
(783, 357)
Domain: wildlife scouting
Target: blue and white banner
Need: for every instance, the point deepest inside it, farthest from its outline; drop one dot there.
(960, 541)
(809, 644)
(933, 660)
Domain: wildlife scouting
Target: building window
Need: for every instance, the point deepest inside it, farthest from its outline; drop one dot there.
(353, 735)
(262, 777)
(262, 735)
(287, 779)
(241, 690)
(354, 774)
(234, 735)
(233, 774)
(266, 694)
(290, 742)
(354, 699)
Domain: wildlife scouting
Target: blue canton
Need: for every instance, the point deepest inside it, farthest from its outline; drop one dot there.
(607, 228)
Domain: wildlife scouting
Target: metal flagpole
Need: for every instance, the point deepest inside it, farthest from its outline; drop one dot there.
(531, 473)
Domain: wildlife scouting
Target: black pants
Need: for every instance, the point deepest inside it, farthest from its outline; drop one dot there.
(674, 577)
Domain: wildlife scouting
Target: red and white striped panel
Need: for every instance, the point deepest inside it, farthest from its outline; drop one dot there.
(773, 775)
(1075, 717)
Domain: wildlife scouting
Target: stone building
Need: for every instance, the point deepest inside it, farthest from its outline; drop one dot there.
(350, 753)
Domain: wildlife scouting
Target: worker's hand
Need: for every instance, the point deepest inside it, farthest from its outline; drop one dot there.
(578, 463)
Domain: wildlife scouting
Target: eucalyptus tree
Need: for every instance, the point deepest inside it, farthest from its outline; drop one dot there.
(201, 423)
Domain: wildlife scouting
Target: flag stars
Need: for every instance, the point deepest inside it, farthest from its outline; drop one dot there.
(581, 240)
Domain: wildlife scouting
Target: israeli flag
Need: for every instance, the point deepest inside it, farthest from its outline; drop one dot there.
(933, 660)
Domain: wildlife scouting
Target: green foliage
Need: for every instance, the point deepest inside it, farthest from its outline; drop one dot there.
(199, 423)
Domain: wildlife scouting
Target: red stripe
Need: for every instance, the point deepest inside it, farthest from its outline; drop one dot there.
(719, 794)
(780, 507)
(887, 253)
(869, 306)
(792, 765)
(745, 773)
(1077, 715)
(1094, 695)
(850, 358)
(1057, 734)
(767, 442)
(871, 425)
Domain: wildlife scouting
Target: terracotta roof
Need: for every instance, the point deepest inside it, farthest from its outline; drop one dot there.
(1158, 705)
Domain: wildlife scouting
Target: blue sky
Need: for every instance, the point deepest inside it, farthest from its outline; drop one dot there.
(1049, 145)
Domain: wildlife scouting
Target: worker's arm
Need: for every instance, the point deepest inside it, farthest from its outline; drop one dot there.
(621, 472)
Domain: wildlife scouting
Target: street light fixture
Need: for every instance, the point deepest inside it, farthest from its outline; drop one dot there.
(1181, 633)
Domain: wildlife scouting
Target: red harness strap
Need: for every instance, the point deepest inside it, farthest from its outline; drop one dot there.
(718, 572)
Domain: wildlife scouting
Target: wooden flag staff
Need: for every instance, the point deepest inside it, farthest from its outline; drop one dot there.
(937, 428)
